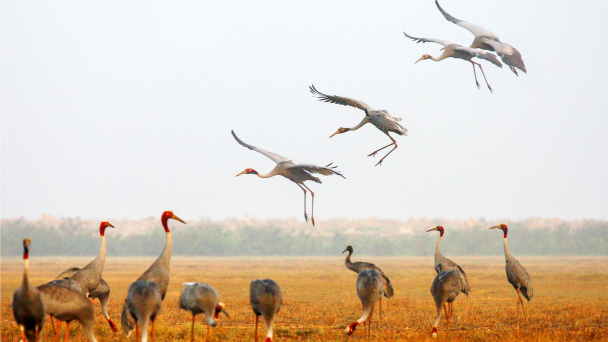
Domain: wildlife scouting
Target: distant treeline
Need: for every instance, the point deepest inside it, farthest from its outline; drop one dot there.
(590, 238)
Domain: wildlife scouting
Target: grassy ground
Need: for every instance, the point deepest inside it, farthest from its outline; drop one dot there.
(570, 303)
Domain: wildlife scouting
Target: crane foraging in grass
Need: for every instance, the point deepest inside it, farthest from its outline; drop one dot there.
(379, 118)
(444, 289)
(266, 299)
(143, 303)
(461, 52)
(297, 173)
(516, 273)
(487, 40)
(369, 291)
(201, 298)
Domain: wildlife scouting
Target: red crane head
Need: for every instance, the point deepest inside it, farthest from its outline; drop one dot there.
(103, 226)
(26, 248)
(169, 215)
(220, 307)
(351, 328)
(340, 131)
(503, 227)
(248, 172)
(438, 228)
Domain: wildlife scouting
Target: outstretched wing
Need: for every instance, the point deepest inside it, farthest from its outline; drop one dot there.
(479, 53)
(277, 158)
(324, 170)
(509, 54)
(345, 101)
(477, 30)
(428, 40)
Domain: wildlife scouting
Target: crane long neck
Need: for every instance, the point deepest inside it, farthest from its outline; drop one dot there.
(363, 122)
(367, 310)
(437, 251)
(269, 174)
(507, 253)
(26, 266)
(269, 324)
(102, 253)
(165, 257)
(443, 56)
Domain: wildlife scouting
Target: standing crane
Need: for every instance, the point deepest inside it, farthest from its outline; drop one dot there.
(67, 305)
(89, 276)
(379, 118)
(28, 308)
(359, 266)
(516, 273)
(444, 289)
(458, 51)
(297, 173)
(141, 306)
(266, 299)
(369, 290)
(158, 272)
(102, 292)
(487, 40)
(201, 298)
(444, 264)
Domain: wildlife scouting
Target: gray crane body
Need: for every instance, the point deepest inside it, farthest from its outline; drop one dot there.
(266, 299)
(369, 291)
(159, 271)
(359, 266)
(27, 305)
(201, 298)
(142, 305)
(517, 275)
(444, 264)
(445, 289)
(89, 276)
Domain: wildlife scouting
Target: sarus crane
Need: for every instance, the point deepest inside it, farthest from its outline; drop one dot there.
(266, 299)
(458, 51)
(369, 291)
(444, 289)
(297, 173)
(379, 118)
(516, 273)
(202, 298)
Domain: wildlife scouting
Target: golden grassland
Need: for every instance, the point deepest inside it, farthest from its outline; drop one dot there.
(570, 300)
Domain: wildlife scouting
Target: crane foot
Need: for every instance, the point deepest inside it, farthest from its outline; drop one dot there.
(373, 154)
(380, 162)
(313, 221)
(476, 82)
(306, 217)
(491, 90)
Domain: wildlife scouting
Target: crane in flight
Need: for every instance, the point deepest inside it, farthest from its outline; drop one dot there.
(379, 118)
(487, 40)
(297, 173)
(458, 51)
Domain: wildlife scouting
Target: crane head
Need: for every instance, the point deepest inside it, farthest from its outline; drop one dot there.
(169, 215)
(438, 228)
(220, 307)
(351, 328)
(425, 56)
(349, 248)
(247, 172)
(103, 226)
(503, 227)
(26, 248)
(340, 130)
(434, 332)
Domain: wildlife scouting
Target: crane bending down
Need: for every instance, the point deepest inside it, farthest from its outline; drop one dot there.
(516, 273)
(487, 40)
(458, 51)
(201, 298)
(142, 305)
(359, 266)
(369, 291)
(297, 173)
(28, 308)
(379, 118)
(444, 289)
(266, 299)
(444, 264)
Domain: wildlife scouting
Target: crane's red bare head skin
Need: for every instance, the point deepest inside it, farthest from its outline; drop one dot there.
(268, 339)
(434, 334)
(503, 227)
(169, 215)
(425, 56)
(112, 325)
(248, 172)
(351, 328)
(220, 307)
(26, 248)
(340, 131)
(438, 228)
(103, 226)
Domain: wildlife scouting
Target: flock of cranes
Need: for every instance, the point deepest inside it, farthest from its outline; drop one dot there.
(66, 299)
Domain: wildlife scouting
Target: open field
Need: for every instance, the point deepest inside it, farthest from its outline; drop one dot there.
(570, 298)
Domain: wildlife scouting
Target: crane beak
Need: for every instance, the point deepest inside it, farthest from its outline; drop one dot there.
(110, 225)
(242, 173)
(421, 58)
(345, 250)
(495, 227)
(432, 229)
(337, 132)
(225, 312)
(178, 219)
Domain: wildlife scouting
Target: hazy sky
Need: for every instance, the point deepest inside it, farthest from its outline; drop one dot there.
(114, 109)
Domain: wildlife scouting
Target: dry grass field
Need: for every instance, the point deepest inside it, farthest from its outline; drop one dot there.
(570, 302)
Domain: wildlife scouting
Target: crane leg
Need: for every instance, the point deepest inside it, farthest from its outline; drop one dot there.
(207, 332)
(152, 333)
(53, 324)
(376, 151)
(305, 215)
(22, 329)
(192, 330)
(520, 301)
(380, 308)
(137, 332)
(58, 331)
(256, 328)
(67, 331)
(445, 308)
(513, 69)
(475, 74)
(393, 143)
(369, 323)
(484, 76)
(312, 207)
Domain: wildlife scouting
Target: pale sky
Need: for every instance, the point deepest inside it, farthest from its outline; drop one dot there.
(114, 109)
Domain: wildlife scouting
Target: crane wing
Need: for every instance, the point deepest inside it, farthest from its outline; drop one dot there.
(509, 54)
(344, 101)
(477, 30)
(324, 170)
(427, 40)
(277, 158)
(480, 54)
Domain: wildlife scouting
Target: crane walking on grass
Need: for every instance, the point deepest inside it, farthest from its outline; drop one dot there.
(444, 289)
(359, 266)
(516, 273)
(487, 40)
(28, 308)
(379, 118)
(201, 298)
(369, 291)
(297, 173)
(266, 299)
(458, 51)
